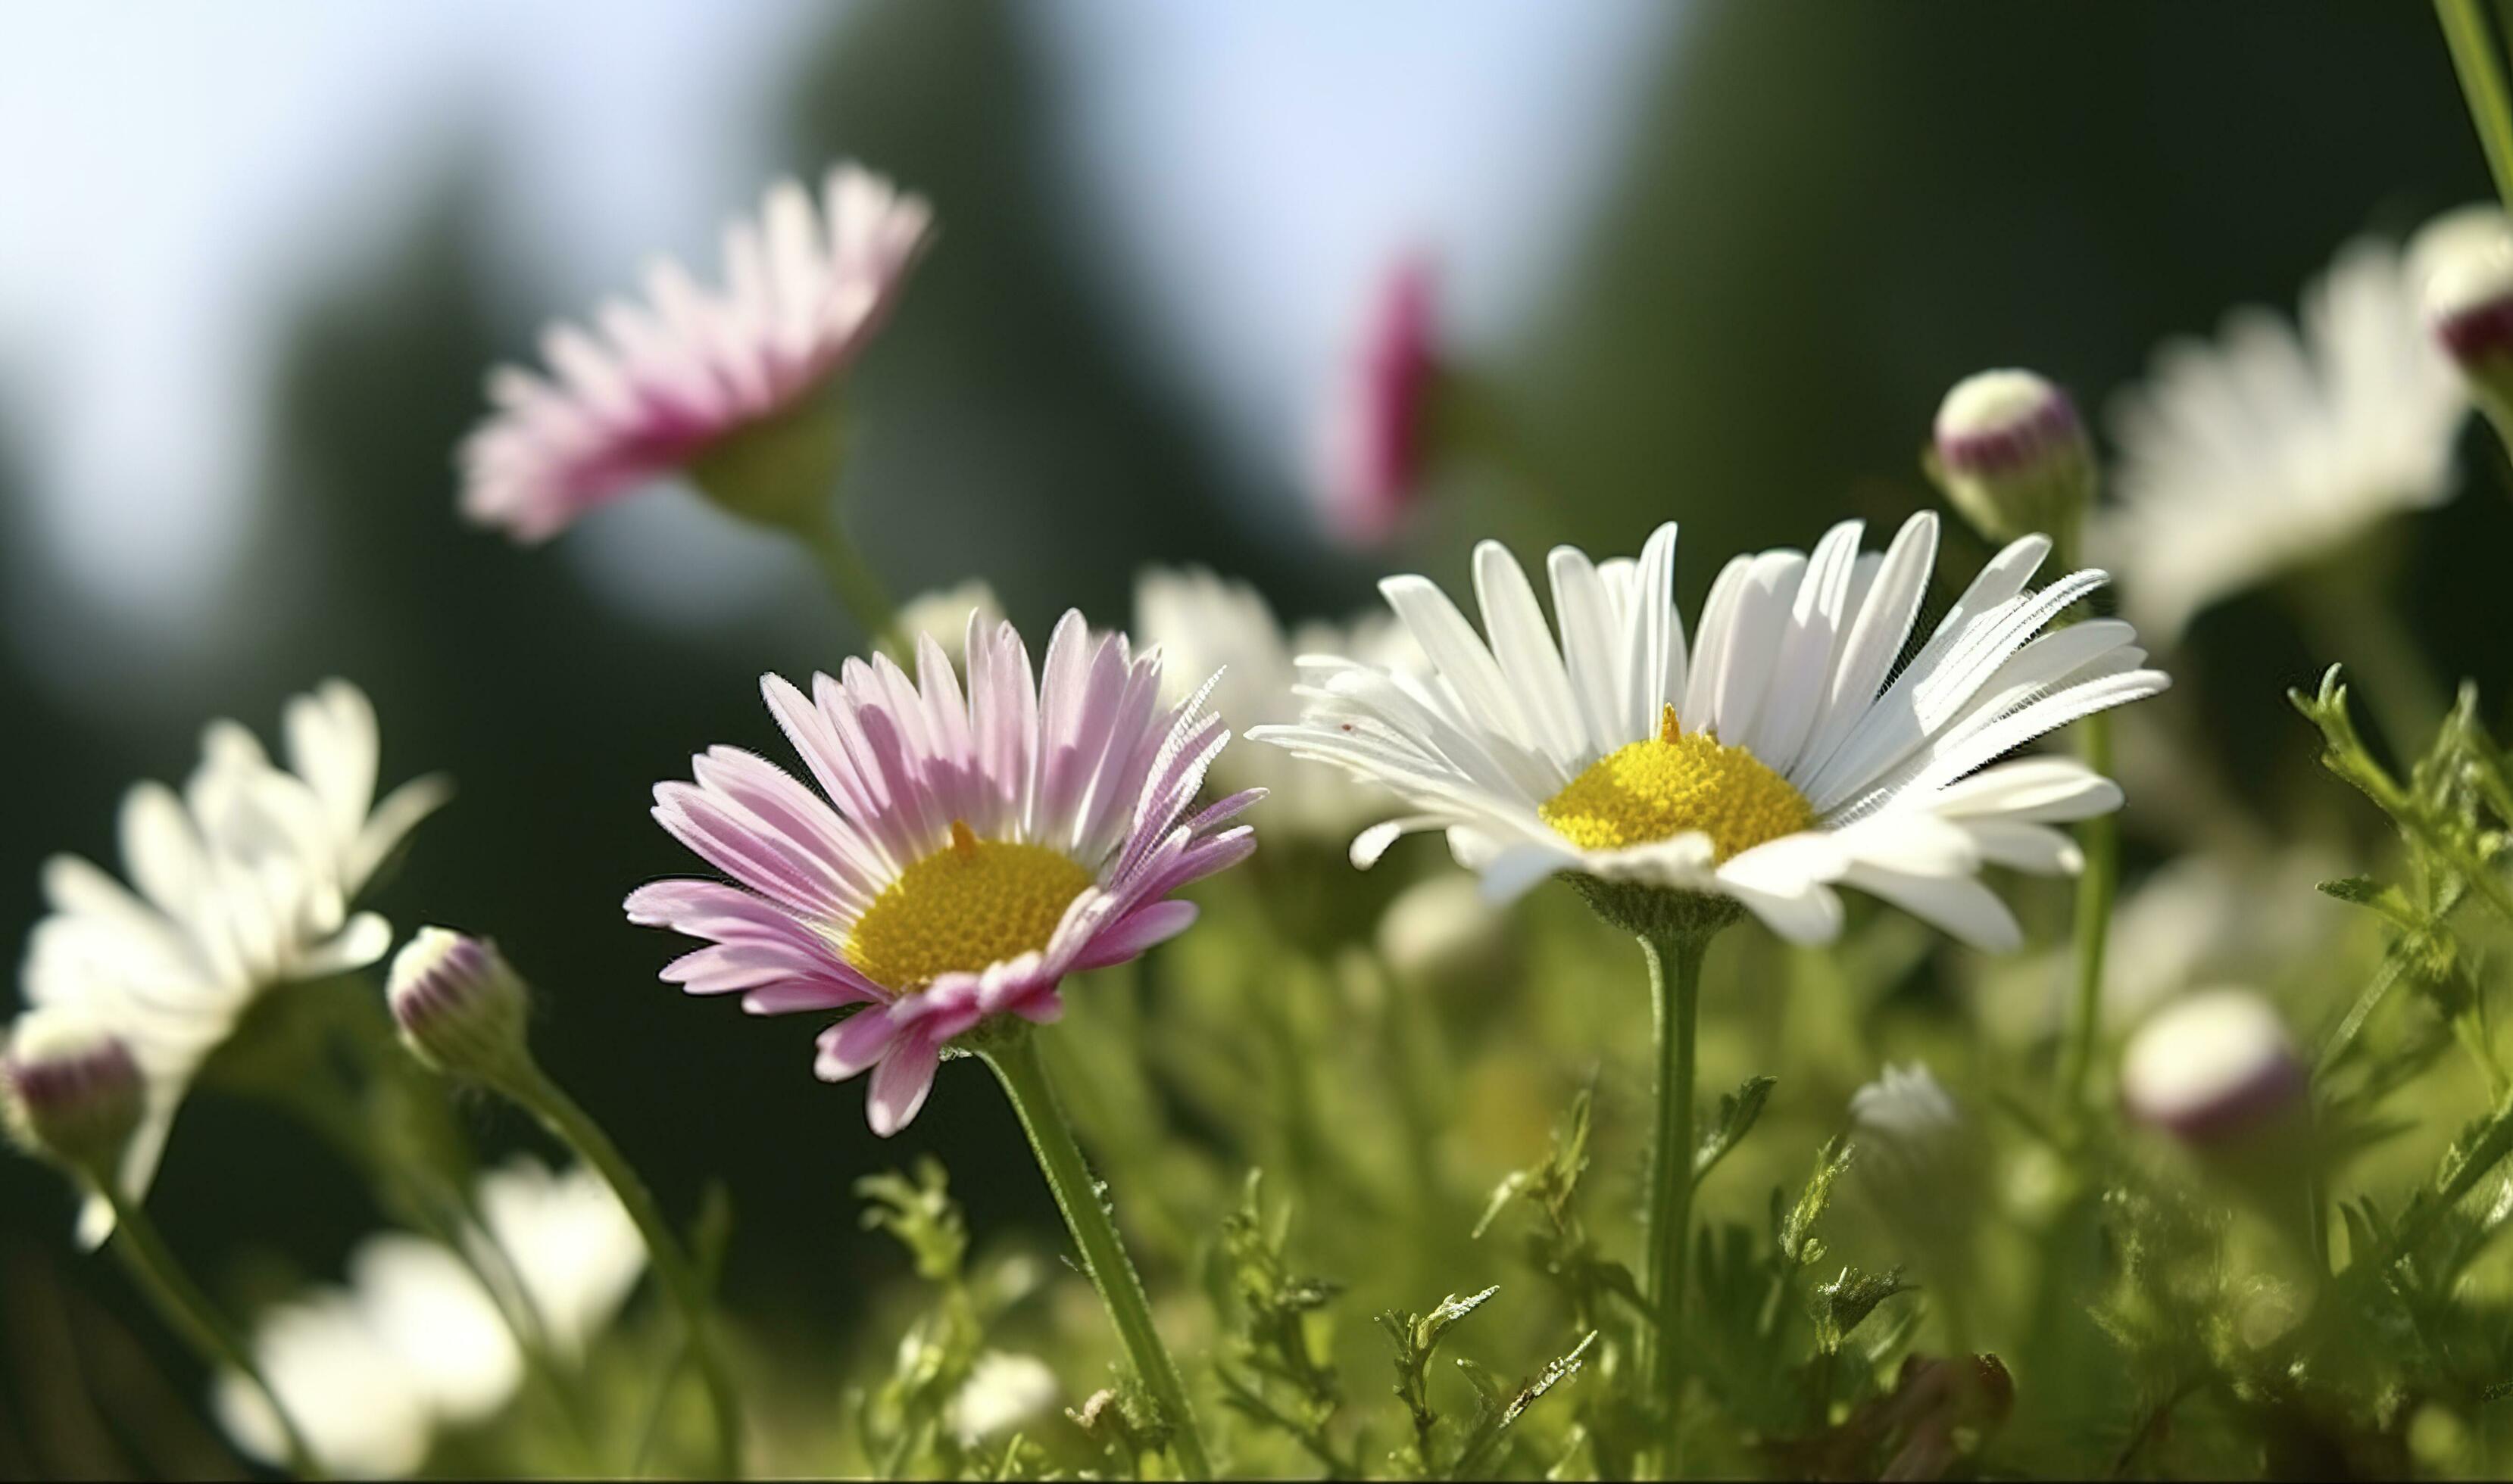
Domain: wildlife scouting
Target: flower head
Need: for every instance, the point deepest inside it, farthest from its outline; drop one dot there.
(70, 1091)
(724, 387)
(2263, 451)
(2211, 1067)
(1763, 766)
(461, 1009)
(2464, 269)
(973, 848)
(413, 1342)
(1003, 1390)
(1378, 433)
(1206, 625)
(2013, 455)
(244, 883)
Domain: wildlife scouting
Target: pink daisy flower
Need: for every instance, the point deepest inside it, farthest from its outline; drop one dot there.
(972, 850)
(658, 386)
(1378, 429)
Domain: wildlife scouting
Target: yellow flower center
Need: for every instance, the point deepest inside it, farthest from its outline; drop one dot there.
(973, 903)
(1673, 783)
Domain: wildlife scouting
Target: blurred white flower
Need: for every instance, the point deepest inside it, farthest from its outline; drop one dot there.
(1003, 1391)
(347, 1389)
(945, 613)
(1440, 929)
(415, 1342)
(1918, 1160)
(571, 1243)
(1203, 624)
(439, 1322)
(2264, 450)
(244, 884)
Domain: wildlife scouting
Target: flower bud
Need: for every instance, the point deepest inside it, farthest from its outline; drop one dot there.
(1379, 431)
(461, 1009)
(2463, 265)
(2012, 456)
(2213, 1069)
(73, 1093)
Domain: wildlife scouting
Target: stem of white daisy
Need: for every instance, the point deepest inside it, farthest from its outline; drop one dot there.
(533, 1089)
(188, 1310)
(1675, 994)
(1017, 1065)
(2097, 885)
(851, 577)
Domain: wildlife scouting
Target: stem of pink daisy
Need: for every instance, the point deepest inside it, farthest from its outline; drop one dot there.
(547, 1100)
(1017, 1066)
(857, 586)
(1675, 994)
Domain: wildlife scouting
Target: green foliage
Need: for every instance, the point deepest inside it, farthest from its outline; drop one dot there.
(1273, 1371)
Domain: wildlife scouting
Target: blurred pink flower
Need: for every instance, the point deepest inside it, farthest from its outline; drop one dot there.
(980, 849)
(658, 385)
(1376, 431)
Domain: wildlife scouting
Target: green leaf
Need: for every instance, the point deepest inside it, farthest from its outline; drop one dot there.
(1841, 1306)
(1734, 1120)
(1796, 1239)
(1480, 1451)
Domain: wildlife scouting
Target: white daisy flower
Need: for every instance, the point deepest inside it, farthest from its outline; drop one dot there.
(945, 613)
(344, 1385)
(573, 1245)
(1003, 1390)
(1780, 756)
(244, 883)
(1208, 625)
(670, 385)
(413, 1342)
(2260, 453)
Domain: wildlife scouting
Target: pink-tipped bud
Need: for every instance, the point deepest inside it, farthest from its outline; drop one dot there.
(2213, 1068)
(2463, 262)
(1380, 430)
(74, 1091)
(461, 1009)
(2012, 455)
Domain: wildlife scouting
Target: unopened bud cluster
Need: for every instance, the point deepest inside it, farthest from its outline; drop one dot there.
(2013, 457)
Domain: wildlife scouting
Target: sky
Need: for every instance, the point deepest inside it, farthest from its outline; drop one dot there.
(177, 172)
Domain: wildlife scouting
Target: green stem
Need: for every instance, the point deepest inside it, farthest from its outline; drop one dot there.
(152, 1265)
(1017, 1065)
(2097, 885)
(1675, 993)
(2482, 86)
(851, 577)
(573, 1126)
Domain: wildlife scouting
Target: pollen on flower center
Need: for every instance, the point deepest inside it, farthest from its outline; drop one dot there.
(973, 903)
(1673, 783)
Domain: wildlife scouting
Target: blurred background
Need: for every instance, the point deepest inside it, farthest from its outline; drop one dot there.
(1720, 259)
